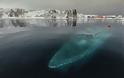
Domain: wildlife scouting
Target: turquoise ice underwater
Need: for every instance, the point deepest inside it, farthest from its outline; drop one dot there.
(80, 47)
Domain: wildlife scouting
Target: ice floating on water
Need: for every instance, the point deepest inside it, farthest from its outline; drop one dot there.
(79, 47)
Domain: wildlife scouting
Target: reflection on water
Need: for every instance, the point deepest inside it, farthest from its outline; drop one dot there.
(2, 23)
(51, 22)
(20, 23)
(13, 22)
(37, 22)
(71, 22)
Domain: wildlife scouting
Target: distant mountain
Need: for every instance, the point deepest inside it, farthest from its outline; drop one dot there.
(52, 13)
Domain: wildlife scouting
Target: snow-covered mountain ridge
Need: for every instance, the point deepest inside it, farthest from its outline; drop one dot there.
(51, 13)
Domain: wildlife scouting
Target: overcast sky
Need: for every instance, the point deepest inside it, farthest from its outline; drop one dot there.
(85, 6)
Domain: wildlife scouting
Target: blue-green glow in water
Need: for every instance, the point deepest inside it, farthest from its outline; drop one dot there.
(79, 47)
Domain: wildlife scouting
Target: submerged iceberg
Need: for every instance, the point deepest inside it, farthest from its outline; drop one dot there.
(80, 47)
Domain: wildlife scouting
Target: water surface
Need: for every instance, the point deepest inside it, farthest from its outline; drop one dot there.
(27, 45)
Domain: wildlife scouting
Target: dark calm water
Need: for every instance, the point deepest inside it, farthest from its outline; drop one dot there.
(26, 47)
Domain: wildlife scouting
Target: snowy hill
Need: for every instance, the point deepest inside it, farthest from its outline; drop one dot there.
(44, 14)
